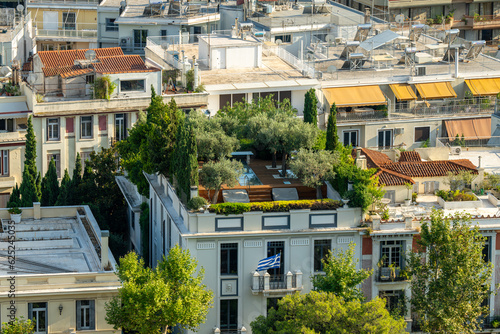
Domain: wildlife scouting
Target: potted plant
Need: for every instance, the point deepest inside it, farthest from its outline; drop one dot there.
(15, 214)
(409, 187)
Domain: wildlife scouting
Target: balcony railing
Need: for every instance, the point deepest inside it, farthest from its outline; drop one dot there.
(478, 21)
(386, 274)
(458, 107)
(65, 2)
(67, 33)
(268, 283)
(370, 115)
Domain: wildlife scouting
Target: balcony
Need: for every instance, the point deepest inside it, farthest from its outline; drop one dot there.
(361, 116)
(388, 275)
(276, 284)
(63, 2)
(463, 107)
(68, 31)
(478, 22)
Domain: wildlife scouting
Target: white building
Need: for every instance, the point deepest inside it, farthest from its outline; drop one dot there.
(16, 37)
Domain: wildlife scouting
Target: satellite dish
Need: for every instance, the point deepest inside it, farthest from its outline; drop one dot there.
(164, 46)
(330, 38)
(90, 55)
(20, 8)
(331, 69)
(278, 41)
(400, 18)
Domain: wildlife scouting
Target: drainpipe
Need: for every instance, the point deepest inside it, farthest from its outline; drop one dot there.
(456, 62)
(104, 249)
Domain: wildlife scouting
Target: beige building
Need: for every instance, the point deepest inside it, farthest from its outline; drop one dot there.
(63, 272)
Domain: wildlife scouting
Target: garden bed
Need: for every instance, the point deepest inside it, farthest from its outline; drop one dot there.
(277, 206)
(450, 200)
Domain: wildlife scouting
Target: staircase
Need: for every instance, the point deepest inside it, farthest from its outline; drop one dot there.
(260, 195)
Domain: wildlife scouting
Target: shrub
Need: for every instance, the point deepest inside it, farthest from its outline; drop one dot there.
(455, 195)
(15, 211)
(414, 197)
(196, 203)
(103, 88)
(277, 206)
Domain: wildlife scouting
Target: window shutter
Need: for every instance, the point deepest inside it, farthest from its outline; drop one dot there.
(92, 314)
(436, 185)
(10, 125)
(30, 311)
(103, 122)
(78, 316)
(402, 254)
(70, 125)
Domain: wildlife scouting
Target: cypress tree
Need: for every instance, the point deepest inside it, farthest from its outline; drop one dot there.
(30, 192)
(186, 162)
(310, 107)
(62, 199)
(73, 191)
(50, 186)
(15, 198)
(332, 138)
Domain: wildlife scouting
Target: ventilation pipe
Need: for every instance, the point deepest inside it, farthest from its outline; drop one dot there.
(195, 70)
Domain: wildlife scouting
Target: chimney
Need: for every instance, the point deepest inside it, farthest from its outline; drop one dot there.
(104, 249)
(479, 164)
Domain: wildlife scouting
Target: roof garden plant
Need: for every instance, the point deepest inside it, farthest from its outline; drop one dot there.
(455, 195)
(276, 206)
(214, 174)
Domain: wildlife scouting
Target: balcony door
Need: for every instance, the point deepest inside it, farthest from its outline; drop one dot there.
(384, 139)
(273, 248)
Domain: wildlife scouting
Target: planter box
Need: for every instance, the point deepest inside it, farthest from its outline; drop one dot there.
(461, 204)
(493, 199)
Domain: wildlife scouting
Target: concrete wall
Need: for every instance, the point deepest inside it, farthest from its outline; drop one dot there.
(151, 79)
(86, 18)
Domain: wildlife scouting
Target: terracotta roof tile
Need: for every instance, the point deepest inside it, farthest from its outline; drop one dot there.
(388, 177)
(375, 158)
(122, 64)
(75, 72)
(409, 156)
(430, 168)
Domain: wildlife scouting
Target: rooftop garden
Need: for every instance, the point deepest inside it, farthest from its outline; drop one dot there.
(456, 195)
(277, 206)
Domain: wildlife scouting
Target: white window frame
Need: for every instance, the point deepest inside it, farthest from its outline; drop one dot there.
(5, 162)
(132, 91)
(350, 131)
(53, 126)
(86, 121)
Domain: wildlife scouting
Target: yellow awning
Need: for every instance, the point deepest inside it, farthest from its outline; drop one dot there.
(355, 96)
(403, 92)
(476, 128)
(436, 90)
(482, 87)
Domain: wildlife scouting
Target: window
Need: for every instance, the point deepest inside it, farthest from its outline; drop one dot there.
(391, 253)
(120, 126)
(37, 312)
(89, 79)
(85, 314)
(422, 133)
(163, 34)
(69, 21)
(228, 314)
(384, 139)
(86, 127)
(111, 25)
(229, 259)
(487, 250)
(84, 157)
(5, 162)
(273, 248)
(53, 129)
(132, 85)
(56, 157)
(394, 301)
(283, 38)
(351, 138)
(321, 250)
(272, 303)
(7, 125)
(140, 37)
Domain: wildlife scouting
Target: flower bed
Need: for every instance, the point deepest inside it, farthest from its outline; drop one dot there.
(450, 199)
(277, 206)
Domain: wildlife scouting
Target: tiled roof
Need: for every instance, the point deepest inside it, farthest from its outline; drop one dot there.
(409, 156)
(375, 158)
(122, 64)
(75, 71)
(388, 177)
(62, 61)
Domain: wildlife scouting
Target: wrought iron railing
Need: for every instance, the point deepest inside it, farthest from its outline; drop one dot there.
(390, 275)
(277, 282)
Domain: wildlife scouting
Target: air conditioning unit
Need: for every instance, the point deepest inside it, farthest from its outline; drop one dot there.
(421, 71)
(399, 131)
(456, 150)
(125, 41)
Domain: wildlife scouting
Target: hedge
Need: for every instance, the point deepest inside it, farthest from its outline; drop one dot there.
(278, 206)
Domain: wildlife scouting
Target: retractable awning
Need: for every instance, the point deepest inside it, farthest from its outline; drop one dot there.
(436, 90)
(476, 128)
(355, 96)
(482, 87)
(403, 92)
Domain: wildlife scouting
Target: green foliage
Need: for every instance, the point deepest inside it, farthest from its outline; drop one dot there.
(15, 198)
(414, 197)
(186, 162)
(311, 107)
(425, 143)
(30, 189)
(64, 191)
(196, 203)
(491, 181)
(320, 143)
(151, 300)
(144, 223)
(459, 180)
(459, 141)
(332, 137)
(190, 80)
(449, 277)
(326, 313)
(314, 168)
(275, 206)
(18, 326)
(455, 195)
(342, 277)
(50, 186)
(15, 211)
(214, 174)
(103, 88)
(246, 144)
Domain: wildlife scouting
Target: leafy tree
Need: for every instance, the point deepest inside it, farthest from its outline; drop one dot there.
(314, 168)
(214, 174)
(332, 137)
(18, 326)
(449, 276)
(30, 152)
(50, 186)
(460, 180)
(215, 144)
(64, 190)
(154, 300)
(342, 277)
(326, 313)
(311, 107)
(186, 161)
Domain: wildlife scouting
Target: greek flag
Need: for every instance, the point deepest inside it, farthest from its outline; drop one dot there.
(270, 262)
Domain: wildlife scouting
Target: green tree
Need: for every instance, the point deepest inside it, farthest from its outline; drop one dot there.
(30, 152)
(18, 326)
(214, 174)
(186, 161)
(326, 313)
(64, 190)
(50, 186)
(15, 198)
(103, 87)
(154, 300)
(30, 189)
(313, 168)
(332, 137)
(342, 277)
(311, 107)
(450, 278)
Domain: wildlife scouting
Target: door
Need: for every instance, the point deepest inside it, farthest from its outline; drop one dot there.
(50, 20)
(219, 58)
(384, 139)
(277, 274)
(351, 138)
